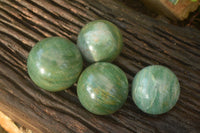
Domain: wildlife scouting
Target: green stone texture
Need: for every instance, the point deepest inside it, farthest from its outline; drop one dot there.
(100, 40)
(102, 88)
(54, 64)
(155, 89)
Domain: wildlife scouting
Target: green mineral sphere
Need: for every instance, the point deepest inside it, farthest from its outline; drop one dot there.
(155, 89)
(100, 40)
(102, 88)
(54, 64)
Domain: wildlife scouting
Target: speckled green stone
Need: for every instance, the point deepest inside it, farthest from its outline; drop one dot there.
(155, 89)
(102, 88)
(100, 40)
(54, 64)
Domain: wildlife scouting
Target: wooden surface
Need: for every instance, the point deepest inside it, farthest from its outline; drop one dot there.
(8, 125)
(147, 41)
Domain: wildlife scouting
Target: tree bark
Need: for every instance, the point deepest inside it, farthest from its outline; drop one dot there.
(147, 41)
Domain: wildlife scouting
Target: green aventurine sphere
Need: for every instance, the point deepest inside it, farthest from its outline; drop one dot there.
(100, 40)
(54, 64)
(102, 88)
(155, 89)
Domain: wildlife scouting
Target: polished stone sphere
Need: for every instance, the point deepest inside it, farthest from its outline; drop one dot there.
(155, 89)
(102, 88)
(100, 40)
(54, 64)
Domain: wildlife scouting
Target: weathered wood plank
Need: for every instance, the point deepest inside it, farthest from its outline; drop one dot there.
(147, 41)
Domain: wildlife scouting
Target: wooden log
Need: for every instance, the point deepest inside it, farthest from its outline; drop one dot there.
(147, 41)
(178, 11)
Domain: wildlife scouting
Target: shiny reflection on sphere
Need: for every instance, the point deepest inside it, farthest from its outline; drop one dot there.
(155, 89)
(100, 40)
(54, 63)
(102, 88)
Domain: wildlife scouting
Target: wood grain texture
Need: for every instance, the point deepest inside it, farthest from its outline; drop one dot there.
(147, 41)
